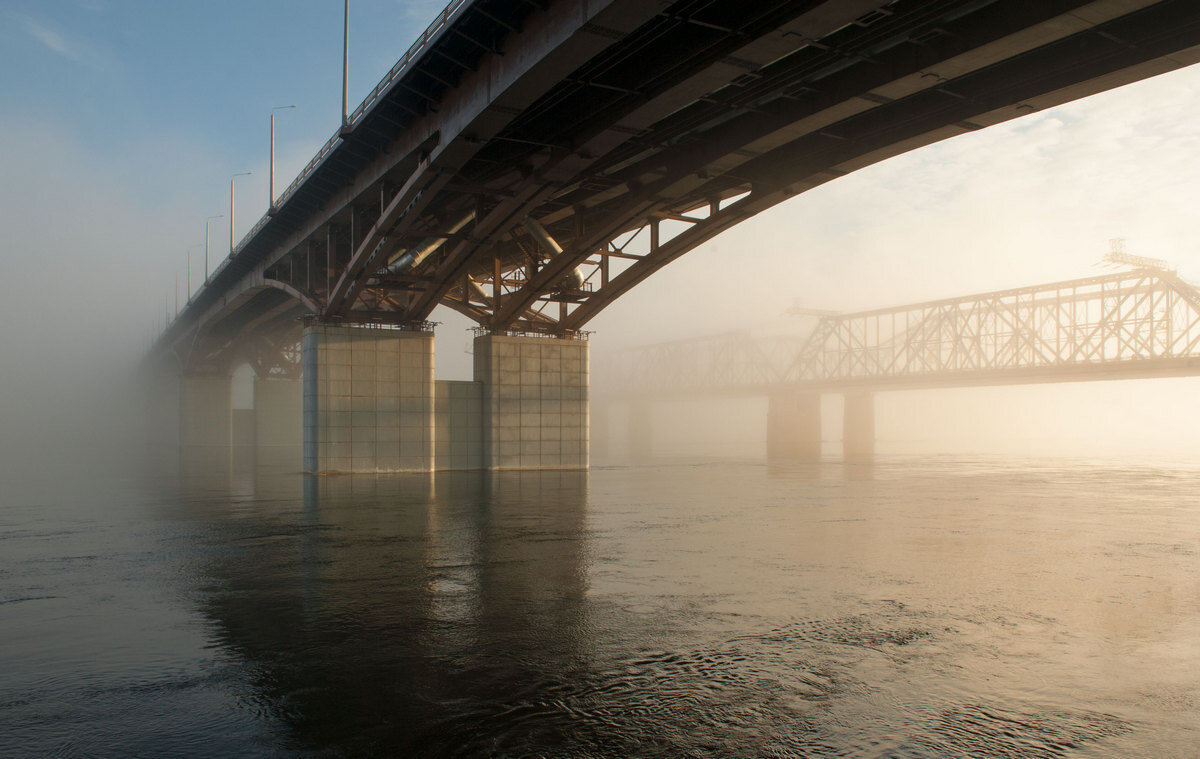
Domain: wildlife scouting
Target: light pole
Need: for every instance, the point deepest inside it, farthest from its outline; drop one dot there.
(271, 184)
(189, 275)
(346, 68)
(239, 174)
(206, 221)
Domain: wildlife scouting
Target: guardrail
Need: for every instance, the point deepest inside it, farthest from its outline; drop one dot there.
(431, 33)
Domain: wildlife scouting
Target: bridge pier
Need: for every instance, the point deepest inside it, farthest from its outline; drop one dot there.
(370, 403)
(367, 399)
(858, 427)
(535, 401)
(205, 411)
(794, 426)
(205, 421)
(278, 419)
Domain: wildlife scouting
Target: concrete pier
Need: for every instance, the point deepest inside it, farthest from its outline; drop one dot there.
(367, 403)
(205, 411)
(794, 426)
(278, 412)
(858, 427)
(458, 425)
(535, 401)
(368, 399)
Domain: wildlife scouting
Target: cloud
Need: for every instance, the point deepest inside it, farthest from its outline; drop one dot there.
(59, 43)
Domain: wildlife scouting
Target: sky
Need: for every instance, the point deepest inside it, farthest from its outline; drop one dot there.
(124, 120)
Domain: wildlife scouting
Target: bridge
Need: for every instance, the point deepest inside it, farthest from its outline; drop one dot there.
(1138, 324)
(527, 163)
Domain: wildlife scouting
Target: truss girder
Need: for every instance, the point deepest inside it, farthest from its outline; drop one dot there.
(597, 119)
(1120, 320)
(1143, 323)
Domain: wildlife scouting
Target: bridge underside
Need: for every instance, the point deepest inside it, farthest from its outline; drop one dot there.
(527, 167)
(526, 164)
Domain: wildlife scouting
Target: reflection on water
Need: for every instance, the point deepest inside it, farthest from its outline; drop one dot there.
(402, 611)
(914, 609)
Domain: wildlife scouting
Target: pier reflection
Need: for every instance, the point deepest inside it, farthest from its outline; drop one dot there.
(387, 613)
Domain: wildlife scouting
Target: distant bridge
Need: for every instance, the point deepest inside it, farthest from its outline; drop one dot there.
(1131, 325)
(1140, 324)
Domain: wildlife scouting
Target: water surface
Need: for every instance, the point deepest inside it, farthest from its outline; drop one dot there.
(914, 608)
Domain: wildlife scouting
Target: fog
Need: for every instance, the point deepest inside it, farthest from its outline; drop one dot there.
(97, 230)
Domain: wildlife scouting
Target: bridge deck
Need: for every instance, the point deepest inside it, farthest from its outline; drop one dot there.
(503, 165)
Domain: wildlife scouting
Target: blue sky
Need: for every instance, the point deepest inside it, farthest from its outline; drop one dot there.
(123, 76)
(123, 120)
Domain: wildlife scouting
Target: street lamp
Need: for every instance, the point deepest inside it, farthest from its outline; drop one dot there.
(231, 240)
(271, 184)
(346, 68)
(206, 221)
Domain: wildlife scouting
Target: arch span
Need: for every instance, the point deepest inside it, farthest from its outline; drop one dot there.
(505, 180)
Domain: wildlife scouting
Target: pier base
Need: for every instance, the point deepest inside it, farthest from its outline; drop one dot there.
(367, 399)
(205, 423)
(794, 427)
(535, 401)
(205, 411)
(278, 421)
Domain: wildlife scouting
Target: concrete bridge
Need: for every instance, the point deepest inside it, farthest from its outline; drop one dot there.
(1139, 324)
(526, 164)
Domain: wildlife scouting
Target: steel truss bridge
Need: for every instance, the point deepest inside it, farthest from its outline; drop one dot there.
(1139, 324)
(528, 162)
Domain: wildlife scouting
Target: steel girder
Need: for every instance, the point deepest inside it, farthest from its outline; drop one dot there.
(1139, 324)
(665, 124)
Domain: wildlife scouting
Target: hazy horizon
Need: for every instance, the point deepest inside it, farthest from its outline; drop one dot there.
(112, 173)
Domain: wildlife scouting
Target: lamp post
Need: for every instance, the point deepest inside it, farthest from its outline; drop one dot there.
(206, 221)
(189, 275)
(346, 67)
(271, 183)
(231, 240)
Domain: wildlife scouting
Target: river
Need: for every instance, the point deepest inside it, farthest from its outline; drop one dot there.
(917, 607)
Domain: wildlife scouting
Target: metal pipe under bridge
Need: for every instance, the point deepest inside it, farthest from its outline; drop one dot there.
(1137, 324)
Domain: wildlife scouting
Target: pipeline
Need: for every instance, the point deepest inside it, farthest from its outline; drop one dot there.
(404, 260)
(571, 281)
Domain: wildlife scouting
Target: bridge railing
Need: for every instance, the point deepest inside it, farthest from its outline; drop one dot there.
(431, 33)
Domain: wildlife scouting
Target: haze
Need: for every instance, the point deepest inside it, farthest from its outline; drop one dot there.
(125, 121)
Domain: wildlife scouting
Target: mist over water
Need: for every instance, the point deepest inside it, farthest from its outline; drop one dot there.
(1016, 576)
(911, 608)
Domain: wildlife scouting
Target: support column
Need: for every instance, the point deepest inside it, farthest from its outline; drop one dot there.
(858, 428)
(535, 401)
(278, 419)
(367, 399)
(458, 425)
(794, 426)
(205, 424)
(205, 411)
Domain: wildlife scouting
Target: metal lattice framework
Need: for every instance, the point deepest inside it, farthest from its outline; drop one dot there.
(1138, 324)
(528, 162)
(1142, 323)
